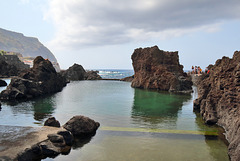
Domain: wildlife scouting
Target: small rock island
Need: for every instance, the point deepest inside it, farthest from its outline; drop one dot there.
(160, 70)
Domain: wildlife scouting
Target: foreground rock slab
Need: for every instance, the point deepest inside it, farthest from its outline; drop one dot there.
(160, 70)
(21, 139)
(219, 100)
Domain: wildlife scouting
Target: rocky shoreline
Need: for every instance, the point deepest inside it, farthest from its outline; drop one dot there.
(40, 143)
(219, 100)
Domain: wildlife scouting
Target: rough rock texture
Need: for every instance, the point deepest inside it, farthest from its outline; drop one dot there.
(3, 83)
(52, 122)
(10, 65)
(92, 75)
(39, 80)
(128, 79)
(219, 100)
(56, 144)
(77, 72)
(81, 125)
(158, 69)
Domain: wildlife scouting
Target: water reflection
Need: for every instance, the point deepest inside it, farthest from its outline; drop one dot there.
(217, 144)
(153, 108)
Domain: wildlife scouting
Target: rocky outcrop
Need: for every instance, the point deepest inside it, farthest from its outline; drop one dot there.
(59, 143)
(10, 65)
(219, 100)
(81, 126)
(127, 79)
(77, 72)
(3, 83)
(52, 122)
(39, 80)
(158, 69)
(62, 141)
(92, 75)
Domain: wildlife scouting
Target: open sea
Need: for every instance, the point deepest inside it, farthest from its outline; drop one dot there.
(135, 124)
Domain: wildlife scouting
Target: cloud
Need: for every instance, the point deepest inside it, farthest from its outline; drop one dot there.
(94, 23)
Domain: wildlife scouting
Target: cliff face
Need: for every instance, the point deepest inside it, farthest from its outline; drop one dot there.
(27, 46)
(158, 69)
(219, 100)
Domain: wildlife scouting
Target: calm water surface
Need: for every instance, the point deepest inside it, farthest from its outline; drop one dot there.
(136, 124)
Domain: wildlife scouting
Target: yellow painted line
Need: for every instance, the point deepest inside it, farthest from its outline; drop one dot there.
(128, 129)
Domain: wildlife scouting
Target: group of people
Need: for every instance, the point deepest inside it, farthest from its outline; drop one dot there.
(198, 70)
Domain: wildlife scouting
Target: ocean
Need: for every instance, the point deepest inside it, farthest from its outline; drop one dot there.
(115, 73)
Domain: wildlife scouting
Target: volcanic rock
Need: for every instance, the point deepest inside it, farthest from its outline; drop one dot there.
(39, 80)
(158, 69)
(81, 126)
(10, 65)
(2, 83)
(75, 72)
(92, 75)
(52, 122)
(128, 79)
(219, 100)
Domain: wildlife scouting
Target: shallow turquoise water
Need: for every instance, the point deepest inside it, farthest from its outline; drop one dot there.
(122, 112)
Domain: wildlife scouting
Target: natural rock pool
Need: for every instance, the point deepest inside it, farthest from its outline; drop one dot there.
(135, 124)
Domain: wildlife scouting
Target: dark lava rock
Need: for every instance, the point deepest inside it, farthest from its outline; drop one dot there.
(77, 72)
(81, 126)
(3, 83)
(39, 80)
(74, 73)
(160, 70)
(92, 75)
(52, 122)
(127, 79)
(68, 137)
(10, 65)
(219, 100)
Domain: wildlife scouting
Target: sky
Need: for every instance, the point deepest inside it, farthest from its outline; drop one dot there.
(103, 34)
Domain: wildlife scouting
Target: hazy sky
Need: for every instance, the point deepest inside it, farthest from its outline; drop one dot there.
(102, 34)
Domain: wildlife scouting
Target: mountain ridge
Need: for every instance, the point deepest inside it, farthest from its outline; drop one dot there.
(28, 46)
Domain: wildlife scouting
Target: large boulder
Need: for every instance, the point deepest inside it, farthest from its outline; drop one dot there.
(74, 73)
(52, 122)
(158, 69)
(39, 80)
(92, 75)
(77, 72)
(3, 83)
(81, 126)
(219, 100)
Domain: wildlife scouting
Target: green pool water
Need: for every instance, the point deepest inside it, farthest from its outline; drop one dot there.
(136, 124)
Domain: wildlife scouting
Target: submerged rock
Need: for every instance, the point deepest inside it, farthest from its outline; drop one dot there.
(158, 69)
(39, 80)
(52, 122)
(219, 100)
(3, 83)
(81, 126)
